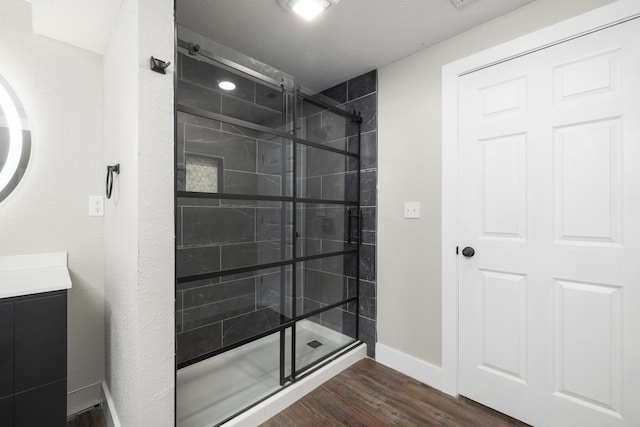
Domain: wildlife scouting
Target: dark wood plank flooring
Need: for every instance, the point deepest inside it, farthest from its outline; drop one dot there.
(94, 417)
(370, 394)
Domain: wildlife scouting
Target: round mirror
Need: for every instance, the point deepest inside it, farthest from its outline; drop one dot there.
(15, 140)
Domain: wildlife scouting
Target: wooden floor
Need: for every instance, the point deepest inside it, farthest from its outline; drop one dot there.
(92, 418)
(370, 394)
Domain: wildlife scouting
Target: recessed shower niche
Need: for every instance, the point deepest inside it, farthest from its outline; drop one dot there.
(268, 228)
(15, 140)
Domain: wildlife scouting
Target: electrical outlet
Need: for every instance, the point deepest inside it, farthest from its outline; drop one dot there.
(96, 206)
(412, 210)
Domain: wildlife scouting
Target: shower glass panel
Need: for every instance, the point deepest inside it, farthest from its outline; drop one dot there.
(326, 175)
(326, 228)
(321, 335)
(324, 126)
(267, 232)
(214, 389)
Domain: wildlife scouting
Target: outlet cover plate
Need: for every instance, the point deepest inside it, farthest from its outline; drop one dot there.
(412, 210)
(96, 206)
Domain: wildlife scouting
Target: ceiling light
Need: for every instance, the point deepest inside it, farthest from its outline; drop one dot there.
(307, 9)
(226, 85)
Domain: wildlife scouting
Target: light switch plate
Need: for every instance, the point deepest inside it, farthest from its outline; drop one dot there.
(412, 210)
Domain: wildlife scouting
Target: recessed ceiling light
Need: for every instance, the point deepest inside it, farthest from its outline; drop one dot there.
(307, 9)
(226, 85)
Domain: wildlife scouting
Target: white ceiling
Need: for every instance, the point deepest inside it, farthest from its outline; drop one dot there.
(351, 38)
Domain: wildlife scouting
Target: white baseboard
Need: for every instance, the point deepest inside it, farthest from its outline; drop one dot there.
(411, 366)
(83, 398)
(108, 407)
(270, 407)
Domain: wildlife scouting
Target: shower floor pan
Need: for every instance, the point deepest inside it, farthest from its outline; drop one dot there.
(211, 391)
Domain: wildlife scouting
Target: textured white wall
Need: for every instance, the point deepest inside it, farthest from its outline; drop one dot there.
(120, 221)
(139, 230)
(61, 89)
(409, 150)
(156, 280)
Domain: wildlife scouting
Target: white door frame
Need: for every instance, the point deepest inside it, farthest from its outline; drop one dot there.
(603, 17)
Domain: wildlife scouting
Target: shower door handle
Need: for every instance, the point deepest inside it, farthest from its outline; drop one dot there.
(350, 237)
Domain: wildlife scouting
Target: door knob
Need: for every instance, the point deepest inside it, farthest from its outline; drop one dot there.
(468, 252)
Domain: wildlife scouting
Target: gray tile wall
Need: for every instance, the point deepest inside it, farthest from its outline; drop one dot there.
(214, 235)
(322, 286)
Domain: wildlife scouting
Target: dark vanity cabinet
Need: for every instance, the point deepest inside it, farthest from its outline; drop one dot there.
(33, 360)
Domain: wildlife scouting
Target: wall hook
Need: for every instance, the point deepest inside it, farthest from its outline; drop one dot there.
(158, 65)
(110, 171)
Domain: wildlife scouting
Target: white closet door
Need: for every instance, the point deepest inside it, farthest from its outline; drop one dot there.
(550, 202)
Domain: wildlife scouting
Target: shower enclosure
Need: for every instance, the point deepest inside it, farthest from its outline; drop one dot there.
(268, 231)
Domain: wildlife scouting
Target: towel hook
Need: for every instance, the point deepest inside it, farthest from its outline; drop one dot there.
(110, 171)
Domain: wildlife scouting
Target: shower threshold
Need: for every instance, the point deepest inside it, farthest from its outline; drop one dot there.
(212, 391)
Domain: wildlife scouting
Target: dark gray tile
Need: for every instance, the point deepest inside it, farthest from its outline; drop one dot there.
(340, 320)
(252, 184)
(249, 112)
(249, 133)
(337, 93)
(320, 162)
(196, 284)
(181, 180)
(180, 144)
(208, 75)
(344, 265)
(309, 247)
(249, 325)
(309, 305)
(184, 118)
(198, 341)
(218, 311)
(369, 150)
(369, 218)
(367, 334)
(195, 96)
(219, 292)
(237, 152)
(367, 107)
(369, 237)
(328, 222)
(368, 262)
(270, 289)
(368, 191)
(324, 287)
(250, 254)
(310, 188)
(192, 261)
(178, 226)
(270, 97)
(207, 226)
(270, 159)
(192, 201)
(342, 186)
(269, 225)
(328, 126)
(362, 85)
(179, 312)
(367, 299)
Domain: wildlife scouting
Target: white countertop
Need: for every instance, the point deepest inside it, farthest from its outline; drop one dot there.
(33, 274)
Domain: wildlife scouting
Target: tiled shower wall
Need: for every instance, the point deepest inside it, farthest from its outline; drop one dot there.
(360, 94)
(218, 234)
